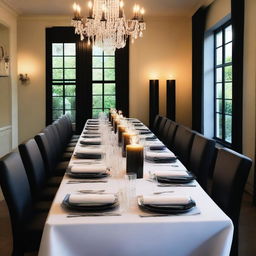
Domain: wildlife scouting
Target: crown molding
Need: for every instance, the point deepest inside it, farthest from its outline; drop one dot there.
(10, 8)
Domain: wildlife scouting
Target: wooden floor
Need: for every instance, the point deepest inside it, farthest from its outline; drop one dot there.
(247, 245)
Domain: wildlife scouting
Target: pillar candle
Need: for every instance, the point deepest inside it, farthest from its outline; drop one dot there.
(120, 130)
(116, 123)
(126, 140)
(135, 159)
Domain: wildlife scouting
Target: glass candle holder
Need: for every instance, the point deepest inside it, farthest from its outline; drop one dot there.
(120, 130)
(126, 140)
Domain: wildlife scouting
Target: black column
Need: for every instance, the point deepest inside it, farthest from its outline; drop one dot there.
(171, 99)
(153, 101)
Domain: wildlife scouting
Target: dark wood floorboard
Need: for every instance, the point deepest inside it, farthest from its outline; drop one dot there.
(247, 244)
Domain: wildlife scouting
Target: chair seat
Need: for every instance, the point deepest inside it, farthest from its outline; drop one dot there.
(33, 232)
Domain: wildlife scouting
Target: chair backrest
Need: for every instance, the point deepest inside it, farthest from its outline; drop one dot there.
(34, 166)
(46, 152)
(171, 134)
(156, 124)
(201, 157)
(230, 174)
(161, 127)
(61, 132)
(164, 135)
(182, 143)
(16, 190)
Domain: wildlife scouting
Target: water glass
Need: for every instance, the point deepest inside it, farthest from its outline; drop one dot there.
(130, 184)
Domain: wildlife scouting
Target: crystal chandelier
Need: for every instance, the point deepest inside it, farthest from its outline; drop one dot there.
(106, 26)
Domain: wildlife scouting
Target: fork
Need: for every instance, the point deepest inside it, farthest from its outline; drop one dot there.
(88, 191)
(163, 192)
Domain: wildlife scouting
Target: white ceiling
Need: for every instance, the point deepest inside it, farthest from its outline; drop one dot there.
(64, 7)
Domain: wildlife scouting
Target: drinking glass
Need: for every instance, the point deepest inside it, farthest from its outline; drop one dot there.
(130, 183)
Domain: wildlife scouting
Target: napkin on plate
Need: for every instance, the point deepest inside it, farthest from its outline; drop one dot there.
(166, 200)
(91, 141)
(161, 155)
(91, 132)
(100, 168)
(90, 151)
(91, 198)
(170, 174)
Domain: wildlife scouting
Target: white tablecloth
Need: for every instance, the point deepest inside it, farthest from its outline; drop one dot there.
(207, 234)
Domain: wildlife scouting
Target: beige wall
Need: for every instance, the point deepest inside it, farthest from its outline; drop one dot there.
(163, 53)
(156, 54)
(5, 85)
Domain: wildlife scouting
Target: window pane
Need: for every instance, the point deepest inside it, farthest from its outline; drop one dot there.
(57, 62)
(70, 90)
(70, 49)
(72, 114)
(228, 107)
(95, 113)
(219, 105)
(96, 51)
(97, 74)
(228, 128)
(57, 90)
(228, 73)
(218, 90)
(56, 114)
(57, 49)
(109, 52)
(228, 53)
(109, 62)
(219, 56)
(57, 103)
(228, 34)
(97, 101)
(70, 102)
(97, 62)
(70, 74)
(57, 74)
(109, 101)
(109, 88)
(70, 62)
(219, 75)
(97, 89)
(228, 90)
(219, 39)
(219, 126)
(109, 74)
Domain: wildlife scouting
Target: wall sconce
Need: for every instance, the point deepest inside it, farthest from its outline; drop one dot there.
(24, 78)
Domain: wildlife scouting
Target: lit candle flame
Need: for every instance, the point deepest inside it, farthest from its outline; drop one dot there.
(90, 5)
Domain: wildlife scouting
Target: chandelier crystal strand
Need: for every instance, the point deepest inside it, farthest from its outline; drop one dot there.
(106, 26)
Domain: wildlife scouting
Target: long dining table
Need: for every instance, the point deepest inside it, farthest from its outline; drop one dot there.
(131, 233)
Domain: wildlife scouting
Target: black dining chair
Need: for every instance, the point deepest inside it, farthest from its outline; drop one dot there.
(27, 224)
(156, 124)
(182, 144)
(161, 127)
(230, 174)
(201, 158)
(35, 169)
(171, 134)
(164, 136)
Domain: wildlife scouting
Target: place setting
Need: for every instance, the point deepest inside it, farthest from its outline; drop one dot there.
(89, 152)
(91, 140)
(160, 156)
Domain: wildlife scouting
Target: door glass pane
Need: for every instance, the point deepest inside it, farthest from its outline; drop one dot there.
(219, 56)
(219, 75)
(70, 74)
(97, 62)
(57, 74)
(70, 90)
(109, 101)
(57, 62)
(72, 114)
(70, 102)
(96, 51)
(57, 90)
(228, 128)
(57, 102)
(57, 49)
(70, 49)
(228, 73)
(97, 89)
(228, 90)
(95, 113)
(219, 105)
(219, 39)
(228, 107)
(70, 62)
(109, 62)
(219, 90)
(109, 88)
(56, 114)
(97, 102)
(97, 75)
(219, 126)
(228, 53)
(228, 34)
(109, 74)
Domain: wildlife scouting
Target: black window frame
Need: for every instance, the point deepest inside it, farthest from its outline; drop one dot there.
(222, 140)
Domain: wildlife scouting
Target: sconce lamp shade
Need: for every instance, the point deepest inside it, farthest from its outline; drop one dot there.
(171, 99)
(153, 101)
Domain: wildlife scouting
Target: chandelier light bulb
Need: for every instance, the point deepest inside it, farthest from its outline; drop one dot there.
(90, 4)
(142, 11)
(121, 4)
(74, 6)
